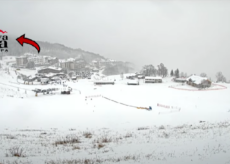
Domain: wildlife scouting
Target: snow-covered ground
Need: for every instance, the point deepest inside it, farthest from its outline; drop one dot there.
(183, 126)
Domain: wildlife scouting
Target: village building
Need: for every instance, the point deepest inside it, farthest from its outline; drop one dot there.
(106, 62)
(74, 77)
(50, 70)
(29, 55)
(180, 80)
(21, 61)
(50, 60)
(53, 75)
(38, 60)
(43, 60)
(198, 81)
(140, 76)
(96, 63)
(72, 64)
(95, 70)
(150, 79)
(80, 64)
(103, 82)
(133, 82)
(131, 76)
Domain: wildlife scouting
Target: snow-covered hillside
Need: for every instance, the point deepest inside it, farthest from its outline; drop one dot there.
(107, 124)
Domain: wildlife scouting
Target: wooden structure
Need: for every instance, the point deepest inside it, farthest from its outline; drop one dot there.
(66, 90)
(133, 82)
(50, 70)
(104, 83)
(198, 82)
(150, 79)
(180, 80)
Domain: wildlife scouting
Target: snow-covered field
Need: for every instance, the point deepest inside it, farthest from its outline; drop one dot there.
(85, 127)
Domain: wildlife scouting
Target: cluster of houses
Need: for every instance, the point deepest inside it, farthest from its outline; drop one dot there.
(24, 60)
(77, 65)
(47, 64)
(72, 64)
(195, 81)
(134, 79)
(51, 67)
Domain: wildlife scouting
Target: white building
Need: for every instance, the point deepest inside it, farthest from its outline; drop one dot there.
(72, 64)
(133, 82)
(41, 60)
(21, 61)
(150, 79)
(38, 60)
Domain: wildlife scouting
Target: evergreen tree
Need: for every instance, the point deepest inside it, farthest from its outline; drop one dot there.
(177, 73)
(171, 74)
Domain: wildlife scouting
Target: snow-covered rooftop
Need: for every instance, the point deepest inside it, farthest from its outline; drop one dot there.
(153, 78)
(21, 57)
(133, 82)
(67, 60)
(62, 60)
(71, 59)
(56, 68)
(80, 61)
(197, 79)
(51, 58)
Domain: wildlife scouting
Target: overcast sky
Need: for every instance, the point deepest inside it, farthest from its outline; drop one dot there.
(193, 36)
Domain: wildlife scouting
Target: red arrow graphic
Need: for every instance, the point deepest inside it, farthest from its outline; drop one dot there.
(23, 40)
(3, 31)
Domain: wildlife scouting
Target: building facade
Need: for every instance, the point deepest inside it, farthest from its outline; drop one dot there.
(50, 70)
(72, 64)
(21, 61)
(199, 82)
(150, 79)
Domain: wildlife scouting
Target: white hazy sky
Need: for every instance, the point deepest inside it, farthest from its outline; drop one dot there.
(193, 36)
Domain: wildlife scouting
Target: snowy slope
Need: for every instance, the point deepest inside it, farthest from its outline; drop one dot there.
(173, 132)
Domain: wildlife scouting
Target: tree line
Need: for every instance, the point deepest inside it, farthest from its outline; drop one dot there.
(150, 70)
(161, 70)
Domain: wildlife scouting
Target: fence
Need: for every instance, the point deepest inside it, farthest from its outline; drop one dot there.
(92, 96)
(125, 104)
(209, 89)
(173, 108)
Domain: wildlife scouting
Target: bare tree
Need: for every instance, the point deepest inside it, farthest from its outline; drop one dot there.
(220, 77)
(162, 70)
(203, 75)
(122, 75)
(149, 70)
(182, 74)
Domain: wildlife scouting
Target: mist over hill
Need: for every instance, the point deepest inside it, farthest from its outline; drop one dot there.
(63, 52)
